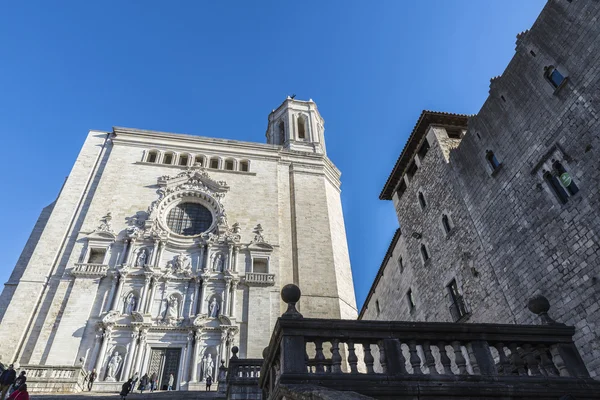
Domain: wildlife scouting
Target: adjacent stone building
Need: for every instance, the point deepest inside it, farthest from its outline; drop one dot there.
(164, 250)
(500, 206)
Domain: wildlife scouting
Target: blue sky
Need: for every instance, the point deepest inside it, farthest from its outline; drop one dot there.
(218, 68)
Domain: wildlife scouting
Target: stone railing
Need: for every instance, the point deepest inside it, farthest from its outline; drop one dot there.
(54, 378)
(258, 278)
(243, 376)
(407, 360)
(89, 270)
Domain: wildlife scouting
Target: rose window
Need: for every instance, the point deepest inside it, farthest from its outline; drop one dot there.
(189, 219)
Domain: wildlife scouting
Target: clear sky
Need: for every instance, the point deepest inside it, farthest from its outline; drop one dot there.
(217, 68)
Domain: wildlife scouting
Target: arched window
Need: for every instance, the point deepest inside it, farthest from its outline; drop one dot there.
(183, 159)
(301, 128)
(422, 200)
(565, 178)
(244, 166)
(281, 132)
(446, 223)
(199, 160)
(229, 165)
(152, 156)
(553, 76)
(424, 252)
(168, 158)
(214, 163)
(492, 160)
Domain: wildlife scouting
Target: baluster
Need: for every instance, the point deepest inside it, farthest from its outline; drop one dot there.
(558, 361)
(352, 358)
(382, 360)
(319, 356)
(429, 359)
(532, 362)
(445, 360)
(505, 365)
(516, 359)
(461, 363)
(336, 358)
(307, 362)
(369, 359)
(548, 368)
(415, 360)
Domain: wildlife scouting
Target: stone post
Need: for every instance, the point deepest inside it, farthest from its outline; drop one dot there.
(129, 359)
(194, 377)
(101, 354)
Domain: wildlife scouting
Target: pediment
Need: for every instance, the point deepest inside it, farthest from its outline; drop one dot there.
(260, 246)
(97, 235)
(193, 178)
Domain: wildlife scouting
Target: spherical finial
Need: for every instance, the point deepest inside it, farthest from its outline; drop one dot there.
(265, 352)
(540, 305)
(290, 294)
(234, 350)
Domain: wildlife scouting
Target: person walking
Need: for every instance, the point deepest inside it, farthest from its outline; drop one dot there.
(153, 382)
(208, 383)
(7, 378)
(126, 388)
(91, 378)
(144, 383)
(171, 382)
(134, 380)
(21, 379)
(20, 394)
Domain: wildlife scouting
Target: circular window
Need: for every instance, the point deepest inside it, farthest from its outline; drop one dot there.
(189, 219)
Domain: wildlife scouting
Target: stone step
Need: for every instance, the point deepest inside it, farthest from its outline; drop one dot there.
(174, 395)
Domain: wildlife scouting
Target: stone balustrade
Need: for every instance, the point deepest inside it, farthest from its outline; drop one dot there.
(424, 359)
(54, 378)
(258, 278)
(243, 376)
(89, 270)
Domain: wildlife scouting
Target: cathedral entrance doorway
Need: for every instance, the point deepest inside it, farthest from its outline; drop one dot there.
(164, 362)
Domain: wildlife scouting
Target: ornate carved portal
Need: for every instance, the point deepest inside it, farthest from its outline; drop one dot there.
(164, 362)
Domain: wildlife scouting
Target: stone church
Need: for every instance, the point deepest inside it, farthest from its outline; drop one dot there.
(162, 251)
(500, 206)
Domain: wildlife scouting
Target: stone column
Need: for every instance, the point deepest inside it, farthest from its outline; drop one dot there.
(115, 301)
(233, 297)
(234, 259)
(141, 348)
(92, 360)
(194, 377)
(129, 359)
(124, 253)
(206, 267)
(148, 308)
(143, 297)
(161, 249)
(229, 263)
(225, 305)
(111, 295)
(200, 265)
(101, 354)
(195, 302)
(202, 294)
(152, 262)
(188, 357)
(131, 252)
(221, 355)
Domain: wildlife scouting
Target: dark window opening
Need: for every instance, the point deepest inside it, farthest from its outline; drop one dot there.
(502, 97)
(229, 165)
(532, 52)
(411, 300)
(214, 163)
(401, 188)
(183, 160)
(152, 157)
(491, 157)
(478, 136)
(412, 170)
(424, 149)
(244, 166)
(260, 265)
(96, 256)
(168, 159)
(401, 264)
(458, 308)
(565, 178)
(454, 133)
(424, 252)
(199, 160)
(446, 223)
(556, 187)
(422, 200)
(281, 132)
(377, 307)
(301, 128)
(554, 76)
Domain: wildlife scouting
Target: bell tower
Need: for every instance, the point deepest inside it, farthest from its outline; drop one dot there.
(297, 125)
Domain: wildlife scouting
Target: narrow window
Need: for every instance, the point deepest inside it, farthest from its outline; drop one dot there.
(424, 149)
(199, 160)
(424, 252)
(152, 157)
(96, 256)
(229, 165)
(453, 133)
(168, 158)
(377, 307)
(565, 178)
(446, 223)
(183, 160)
(281, 132)
(554, 76)
(491, 158)
(458, 308)
(260, 265)
(422, 200)
(244, 166)
(214, 163)
(556, 187)
(411, 300)
(401, 264)
(301, 128)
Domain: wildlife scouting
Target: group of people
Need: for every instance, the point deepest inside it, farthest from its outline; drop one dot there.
(146, 383)
(13, 385)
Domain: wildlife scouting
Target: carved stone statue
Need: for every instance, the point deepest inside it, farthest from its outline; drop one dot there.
(173, 307)
(213, 308)
(141, 258)
(218, 263)
(130, 303)
(181, 263)
(207, 366)
(113, 366)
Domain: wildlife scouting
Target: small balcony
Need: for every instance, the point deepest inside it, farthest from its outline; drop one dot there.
(259, 279)
(89, 270)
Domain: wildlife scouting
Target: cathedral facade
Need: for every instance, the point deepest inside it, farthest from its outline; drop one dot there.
(162, 251)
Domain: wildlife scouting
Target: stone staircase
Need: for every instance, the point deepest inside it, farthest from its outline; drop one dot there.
(174, 395)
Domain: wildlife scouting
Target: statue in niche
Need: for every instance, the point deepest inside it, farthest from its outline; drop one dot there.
(213, 308)
(130, 303)
(218, 263)
(141, 258)
(113, 366)
(207, 366)
(182, 262)
(173, 307)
